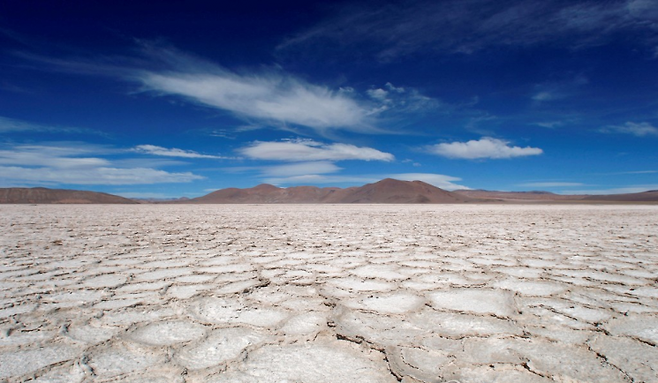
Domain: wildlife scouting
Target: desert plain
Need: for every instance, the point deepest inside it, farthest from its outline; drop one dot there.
(328, 293)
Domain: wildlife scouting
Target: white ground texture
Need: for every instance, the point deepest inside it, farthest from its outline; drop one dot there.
(322, 293)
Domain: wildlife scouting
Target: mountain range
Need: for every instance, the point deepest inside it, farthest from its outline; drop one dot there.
(384, 191)
(58, 196)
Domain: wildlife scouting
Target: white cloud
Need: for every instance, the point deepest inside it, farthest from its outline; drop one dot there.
(56, 156)
(558, 90)
(160, 151)
(306, 150)
(398, 100)
(265, 98)
(94, 175)
(393, 88)
(302, 168)
(12, 125)
(313, 179)
(377, 94)
(438, 180)
(549, 124)
(273, 97)
(71, 164)
(547, 96)
(641, 129)
(486, 147)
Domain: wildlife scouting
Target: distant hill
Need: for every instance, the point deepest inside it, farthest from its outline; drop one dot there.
(158, 200)
(648, 196)
(58, 196)
(385, 191)
(529, 196)
(547, 197)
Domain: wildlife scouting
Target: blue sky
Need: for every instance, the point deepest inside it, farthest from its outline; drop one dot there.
(182, 98)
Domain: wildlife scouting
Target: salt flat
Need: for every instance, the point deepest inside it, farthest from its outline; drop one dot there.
(328, 293)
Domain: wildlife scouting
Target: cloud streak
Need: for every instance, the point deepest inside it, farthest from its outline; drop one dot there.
(274, 97)
(300, 169)
(484, 148)
(11, 125)
(165, 152)
(308, 150)
(264, 98)
(396, 29)
(93, 176)
(642, 129)
(72, 164)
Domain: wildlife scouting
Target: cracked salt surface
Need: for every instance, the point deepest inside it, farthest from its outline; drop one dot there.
(303, 293)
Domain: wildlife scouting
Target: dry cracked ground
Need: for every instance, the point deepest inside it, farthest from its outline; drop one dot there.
(303, 293)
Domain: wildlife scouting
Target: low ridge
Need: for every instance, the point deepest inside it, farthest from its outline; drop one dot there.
(41, 195)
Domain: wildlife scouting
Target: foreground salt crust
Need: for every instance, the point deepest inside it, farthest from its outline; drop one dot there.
(301, 293)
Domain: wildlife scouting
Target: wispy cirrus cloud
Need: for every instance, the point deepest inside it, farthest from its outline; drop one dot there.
(549, 124)
(11, 125)
(267, 97)
(173, 152)
(404, 100)
(76, 163)
(273, 97)
(57, 155)
(395, 29)
(308, 162)
(558, 90)
(484, 148)
(92, 176)
(309, 150)
(299, 169)
(639, 129)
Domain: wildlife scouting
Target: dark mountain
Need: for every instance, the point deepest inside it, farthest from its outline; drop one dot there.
(394, 191)
(58, 196)
(385, 191)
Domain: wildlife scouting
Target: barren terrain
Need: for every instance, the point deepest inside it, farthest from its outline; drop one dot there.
(328, 293)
